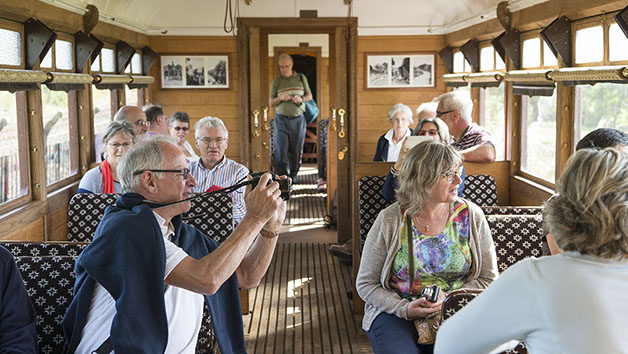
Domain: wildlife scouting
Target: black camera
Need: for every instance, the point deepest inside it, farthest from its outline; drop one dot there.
(285, 186)
(430, 293)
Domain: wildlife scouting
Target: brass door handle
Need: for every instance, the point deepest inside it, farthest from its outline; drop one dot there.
(265, 119)
(333, 118)
(341, 153)
(255, 123)
(341, 133)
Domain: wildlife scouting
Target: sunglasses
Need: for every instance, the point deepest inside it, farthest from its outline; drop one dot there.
(185, 129)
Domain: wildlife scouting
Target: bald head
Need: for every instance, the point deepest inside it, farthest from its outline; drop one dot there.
(133, 115)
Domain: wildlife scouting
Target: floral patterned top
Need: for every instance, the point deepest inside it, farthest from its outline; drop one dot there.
(444, 259)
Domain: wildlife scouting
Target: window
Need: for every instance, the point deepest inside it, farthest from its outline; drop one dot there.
(101, 101)
(56, 135)
(531, 57)
(108, 62)
(458, 62)
(13, 160)
(10, 47)
(617, 44)
(487, 59)
(132, 96)
(64, 60)
(604, 105)
(494, 119)
(136, 64)
(538, 136)
(589, 44)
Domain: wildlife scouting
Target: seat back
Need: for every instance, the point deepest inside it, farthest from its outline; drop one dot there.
(512, 210)
(481, 190)
(85, 211)
(516, 237)
(370, 202)
(40, 249)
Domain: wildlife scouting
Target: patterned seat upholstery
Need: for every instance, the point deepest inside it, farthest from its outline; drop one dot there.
(40, 249)
(512, 210)
(85, 212)
(516, 237)
(457, 299)
(49, 282)
(370, 203)
(480, 189)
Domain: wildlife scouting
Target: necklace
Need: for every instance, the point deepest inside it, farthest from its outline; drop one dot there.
(427, 226)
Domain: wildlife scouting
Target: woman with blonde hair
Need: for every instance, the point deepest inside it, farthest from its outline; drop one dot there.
(574, 302)
(429, 237)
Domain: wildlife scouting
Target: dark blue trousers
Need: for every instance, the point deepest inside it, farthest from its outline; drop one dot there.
(290, 136)
(390, 334)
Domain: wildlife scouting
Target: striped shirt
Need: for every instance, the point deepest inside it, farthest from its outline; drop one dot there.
(225, 174)
(472, 136)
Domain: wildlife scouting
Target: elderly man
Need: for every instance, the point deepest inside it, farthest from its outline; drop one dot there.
(213, 170)
(133, 115)
(140, 283)
(288, 93)
(426, 110)
(157, 120)
(473, 141)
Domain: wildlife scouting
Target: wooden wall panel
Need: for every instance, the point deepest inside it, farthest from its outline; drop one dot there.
(373, 104)
(199, 103)
(33, 231)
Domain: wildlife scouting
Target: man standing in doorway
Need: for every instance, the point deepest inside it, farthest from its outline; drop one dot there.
(288, 93)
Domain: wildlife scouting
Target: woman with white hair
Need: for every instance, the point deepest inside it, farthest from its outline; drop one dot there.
(574, 302)
(389, 144)
(429, 237)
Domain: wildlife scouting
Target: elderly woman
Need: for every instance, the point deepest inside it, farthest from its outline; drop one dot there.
(118, 137)
(389, 144)
(574, 302)
(434, 128)
(179, 129)
(429, 237)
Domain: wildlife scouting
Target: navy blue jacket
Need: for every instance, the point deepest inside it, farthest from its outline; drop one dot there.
(127, 257)
(391, 184)
(381, 152)
(17, 316)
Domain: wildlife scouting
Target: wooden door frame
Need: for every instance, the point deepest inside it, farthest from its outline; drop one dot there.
(253, 43)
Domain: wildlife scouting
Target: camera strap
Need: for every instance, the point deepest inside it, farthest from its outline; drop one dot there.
(410, 253)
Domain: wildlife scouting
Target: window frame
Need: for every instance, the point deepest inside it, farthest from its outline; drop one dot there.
(16, 27)
(68, 38)
(537, 34)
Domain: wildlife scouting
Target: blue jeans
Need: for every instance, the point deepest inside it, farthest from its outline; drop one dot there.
(290, 136)
(390, 334)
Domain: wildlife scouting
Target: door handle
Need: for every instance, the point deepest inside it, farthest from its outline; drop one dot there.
(341, 133)
(341, 153)
(255, 123)
(333, 118)
(265, 118)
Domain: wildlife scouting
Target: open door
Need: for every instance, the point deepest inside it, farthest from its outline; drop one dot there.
(254, 80)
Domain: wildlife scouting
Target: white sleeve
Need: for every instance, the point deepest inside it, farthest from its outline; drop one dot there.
(174, 255)
(499, 315)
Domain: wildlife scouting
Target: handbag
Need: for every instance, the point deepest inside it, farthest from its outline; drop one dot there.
(427, 326)
(311, 109)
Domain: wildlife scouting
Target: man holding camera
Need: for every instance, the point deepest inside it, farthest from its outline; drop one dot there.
(214, 170)
(288, 93)
(141, 283)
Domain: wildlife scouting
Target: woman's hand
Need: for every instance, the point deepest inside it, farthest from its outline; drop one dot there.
(402, 154)
(421, 307)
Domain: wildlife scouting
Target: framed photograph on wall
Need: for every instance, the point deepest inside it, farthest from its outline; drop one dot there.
(400, 70)
(194, 71)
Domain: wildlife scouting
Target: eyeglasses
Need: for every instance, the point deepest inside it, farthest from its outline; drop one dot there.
(430, 132)
(449, 175)
(116, 146)
(440, 114)
(184, 172)
(140, 123)
(185, 129)
(210, 140)
(399, 120)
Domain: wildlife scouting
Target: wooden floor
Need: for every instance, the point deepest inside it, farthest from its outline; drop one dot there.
(301, 305)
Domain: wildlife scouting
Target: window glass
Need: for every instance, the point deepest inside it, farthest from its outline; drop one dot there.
(589, 45)
(63, 55)
(96, 64)
(603, 105)
(487, 59)
(549, 59)
(494, 119)
(102, 117)
(136, 64)
(56, 134)
(108, 60)
(47, 61)
(13, 183)
(499, 62)
(538, 140)
(132, 98)
(10, 47)
(617, 44)
(458, 62)
(467, 66)
(531, 53)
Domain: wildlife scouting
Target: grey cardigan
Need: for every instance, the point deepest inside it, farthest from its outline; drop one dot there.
(383, 243)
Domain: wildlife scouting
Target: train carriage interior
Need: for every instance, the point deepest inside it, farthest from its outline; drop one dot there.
(541, 74)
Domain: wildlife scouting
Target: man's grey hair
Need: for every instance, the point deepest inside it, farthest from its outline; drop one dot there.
(400, 107)
(145, 155)
(285, 56)
(458, 101)
(210, 122)
(421, 169)
(426, 107)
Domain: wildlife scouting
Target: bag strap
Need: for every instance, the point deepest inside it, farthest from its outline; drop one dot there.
(410, 253)
(105, 348)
